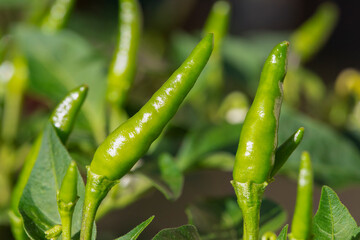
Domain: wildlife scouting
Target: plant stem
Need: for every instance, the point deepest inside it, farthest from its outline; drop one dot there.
(249, 197)
(96, 189)
(251, 216)
(66, 221)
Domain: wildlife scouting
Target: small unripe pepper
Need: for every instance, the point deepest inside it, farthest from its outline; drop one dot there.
(67, 198)
(285, 150)
(123, 65)
(66, 111)
(122, 69)
(301, 223)
(62, 118)
(258, 141)
(125, 145)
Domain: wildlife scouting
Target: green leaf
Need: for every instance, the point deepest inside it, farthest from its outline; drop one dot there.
(60, 62)
(333, 220)
(283, 233)
(186, 232)
(165, 175)
(134, 234)
(219, 160)
(38, 205)
(221, 218)
(336, 159)
(202, 142)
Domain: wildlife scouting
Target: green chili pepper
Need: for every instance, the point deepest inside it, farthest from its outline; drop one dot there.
(258, 140)
(67, 198)
(286, 149)
(57, 15)
(64, 114)
(301, 223)
(206, 94)
(312, 35)
(62, 119)
(123, 66)
(124, 146)
(15, 88)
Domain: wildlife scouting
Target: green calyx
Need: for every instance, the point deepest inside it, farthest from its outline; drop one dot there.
(126, 144)
(249, 196)
(54, 232)
(258, 140)
(96, 189)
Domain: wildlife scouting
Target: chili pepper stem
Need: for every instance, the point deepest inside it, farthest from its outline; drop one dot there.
(66, 221)
(96, 189)
(249, 197)
(17, 226)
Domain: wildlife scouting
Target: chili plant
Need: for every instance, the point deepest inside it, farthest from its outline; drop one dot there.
(155, 147)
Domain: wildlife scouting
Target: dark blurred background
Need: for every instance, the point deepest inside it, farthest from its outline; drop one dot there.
(97, 22)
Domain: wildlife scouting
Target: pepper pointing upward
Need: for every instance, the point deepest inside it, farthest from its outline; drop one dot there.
(255, 156)
(258, 139)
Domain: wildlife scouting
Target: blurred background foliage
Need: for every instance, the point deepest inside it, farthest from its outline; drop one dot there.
(322, 90)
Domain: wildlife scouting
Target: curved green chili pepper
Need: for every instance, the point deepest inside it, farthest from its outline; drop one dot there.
(123, 66)
(57, 15)
(124, 146)
(258, 140)
(62, 118)
(286, 149)
(64, 114)
(311, 36)
(301, 223)
(67, 198)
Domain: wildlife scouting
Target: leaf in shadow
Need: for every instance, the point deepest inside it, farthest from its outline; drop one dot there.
(134, 234)
(221, 218)
(186, 232)
(58, 63)
(165, 176)
(38, 205)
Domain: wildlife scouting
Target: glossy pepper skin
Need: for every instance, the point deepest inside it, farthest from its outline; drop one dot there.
(67, 198)
(255, 156)
(66, 111)
(57, 15)
(301, 223)
(258, 140)
(62, 118)
(123, 66)
(311, 36)
(125, 145)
